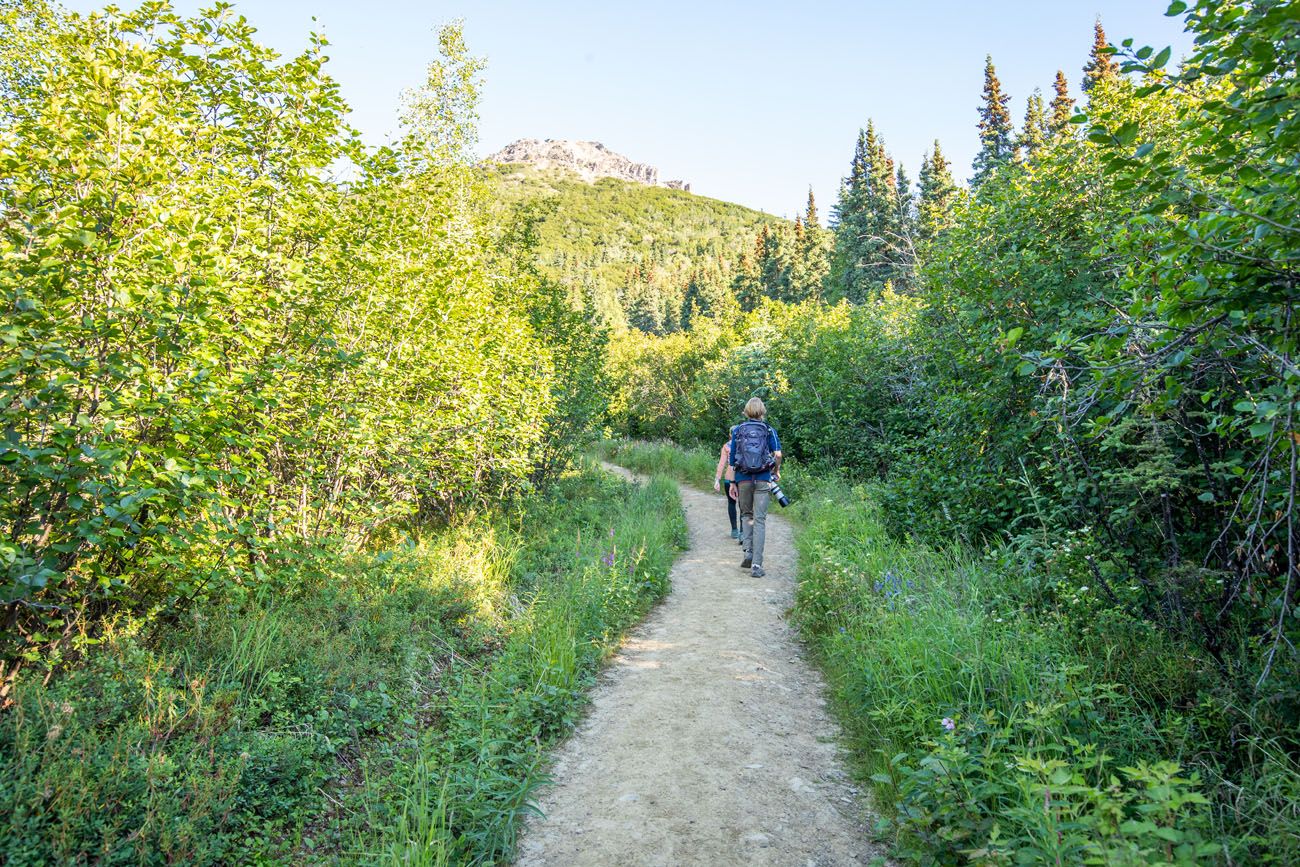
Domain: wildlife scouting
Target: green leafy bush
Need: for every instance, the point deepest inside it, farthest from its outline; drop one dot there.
(215, 352)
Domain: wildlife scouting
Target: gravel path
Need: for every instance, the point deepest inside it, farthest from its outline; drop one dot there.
(708, 741)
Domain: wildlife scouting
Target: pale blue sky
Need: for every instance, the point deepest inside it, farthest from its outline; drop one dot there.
(750, 102)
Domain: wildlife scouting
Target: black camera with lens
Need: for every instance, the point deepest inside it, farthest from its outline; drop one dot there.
(779, 495)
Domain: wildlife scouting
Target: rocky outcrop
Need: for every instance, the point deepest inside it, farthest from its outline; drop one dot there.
(588, 159)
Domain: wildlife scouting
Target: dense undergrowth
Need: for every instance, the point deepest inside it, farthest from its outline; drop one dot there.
(389, 707)
(994, 725)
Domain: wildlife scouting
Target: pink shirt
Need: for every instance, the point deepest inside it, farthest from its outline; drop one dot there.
(724, 463)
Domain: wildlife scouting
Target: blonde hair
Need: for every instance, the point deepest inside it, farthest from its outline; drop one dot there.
(754, 408)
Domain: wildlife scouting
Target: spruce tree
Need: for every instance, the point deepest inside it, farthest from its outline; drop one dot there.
(869, 242)
(996, 144)
(1062, 105)
(903, 252)
(883, 229)
(642, 307)
(745, 284)
(1101, 65)
(811, 261)
(936, 194)
(1034, 133)
(849, 218)
(707, 294)
(773, 264)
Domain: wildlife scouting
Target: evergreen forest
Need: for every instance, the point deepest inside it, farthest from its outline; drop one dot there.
(309, 557)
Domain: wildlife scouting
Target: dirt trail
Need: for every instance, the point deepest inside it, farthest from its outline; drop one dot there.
(708, 741)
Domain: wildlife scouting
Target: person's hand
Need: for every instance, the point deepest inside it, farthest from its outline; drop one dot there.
(731, 492)
(717, 486)
(776, 475)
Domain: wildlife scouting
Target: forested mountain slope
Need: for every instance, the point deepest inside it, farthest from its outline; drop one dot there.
(628, 250)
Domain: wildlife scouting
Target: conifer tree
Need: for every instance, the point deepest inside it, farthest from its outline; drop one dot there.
(811, 261)
(849, 215)
(642, 308)
(1034, 133)
(883, 229)
(774, 263)
(1062, 105)
(903, 253)
(1101, 65)
(936, 194)
(868, 246)
(707, 294)
(997, 146)
(745, 287)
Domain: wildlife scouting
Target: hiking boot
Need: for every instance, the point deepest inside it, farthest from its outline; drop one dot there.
(757, 572)
(746, 563)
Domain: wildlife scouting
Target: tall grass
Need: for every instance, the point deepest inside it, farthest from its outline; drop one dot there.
(693, 465)
(500, 718)
(392, 707)
(996, 731)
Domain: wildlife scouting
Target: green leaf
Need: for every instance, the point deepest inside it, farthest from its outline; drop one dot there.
(1127, 133)
(1161, 59)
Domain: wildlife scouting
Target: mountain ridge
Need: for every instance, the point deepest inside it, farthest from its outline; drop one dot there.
(590, 160)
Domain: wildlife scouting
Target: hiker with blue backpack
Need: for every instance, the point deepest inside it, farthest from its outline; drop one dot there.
(756, 458)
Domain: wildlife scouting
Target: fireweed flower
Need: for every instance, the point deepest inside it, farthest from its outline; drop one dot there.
(948, 724)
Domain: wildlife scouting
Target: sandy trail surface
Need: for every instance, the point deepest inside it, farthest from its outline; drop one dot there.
(708, 740)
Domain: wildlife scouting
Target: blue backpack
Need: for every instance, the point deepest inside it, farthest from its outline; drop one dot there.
(752, 452)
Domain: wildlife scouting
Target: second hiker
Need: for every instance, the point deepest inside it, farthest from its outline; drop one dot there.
(756, 457)
(724, 466)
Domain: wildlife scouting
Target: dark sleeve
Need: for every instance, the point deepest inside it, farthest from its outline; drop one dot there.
(772, 442)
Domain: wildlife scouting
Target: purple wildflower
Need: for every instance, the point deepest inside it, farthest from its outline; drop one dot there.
(948, 724)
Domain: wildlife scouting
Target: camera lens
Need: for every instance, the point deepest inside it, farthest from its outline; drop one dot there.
(779, 495)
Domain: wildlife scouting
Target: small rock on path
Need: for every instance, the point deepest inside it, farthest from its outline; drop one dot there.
(708, 740)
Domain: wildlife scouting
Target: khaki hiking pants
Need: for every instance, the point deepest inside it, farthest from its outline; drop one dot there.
(753, 500)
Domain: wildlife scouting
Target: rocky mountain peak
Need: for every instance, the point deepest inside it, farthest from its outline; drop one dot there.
(588, 159)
